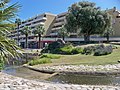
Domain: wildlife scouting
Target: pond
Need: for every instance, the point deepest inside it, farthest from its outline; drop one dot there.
(86, 79)
(26, 73)
(63, 78)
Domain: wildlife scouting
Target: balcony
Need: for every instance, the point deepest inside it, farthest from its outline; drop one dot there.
(33, 25)
(61, 18)
(57, 28)
(59, 23)
(34, 20)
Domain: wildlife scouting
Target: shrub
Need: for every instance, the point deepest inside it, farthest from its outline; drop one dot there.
(39, 61)
(88, 50)
(67, 49)
(98, 50)
(77, 50)
(103, 50)
(53, 47)
(51, 56)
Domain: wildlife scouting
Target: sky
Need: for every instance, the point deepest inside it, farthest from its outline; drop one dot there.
(31, 8)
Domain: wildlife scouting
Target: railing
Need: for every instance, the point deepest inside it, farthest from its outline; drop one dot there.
(75, 39)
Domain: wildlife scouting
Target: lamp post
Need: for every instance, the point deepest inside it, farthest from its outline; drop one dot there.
(18, 22)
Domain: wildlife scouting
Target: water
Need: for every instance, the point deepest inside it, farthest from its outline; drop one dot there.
(26, 73)
(86, 79)
(63, 78)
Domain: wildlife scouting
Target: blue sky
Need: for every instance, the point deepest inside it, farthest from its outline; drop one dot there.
(31, 8)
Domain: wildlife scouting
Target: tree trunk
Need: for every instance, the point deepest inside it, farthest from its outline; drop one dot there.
(107, 38)
(87, 38)
(26, 41)
(63, 38)
(18, 34)
(39, 46)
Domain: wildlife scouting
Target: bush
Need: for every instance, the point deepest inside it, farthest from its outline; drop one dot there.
(58, 47)
(103, 50)
(51, 56)
(67, 49)
(39, 61)
(53, 47)
(88, 50)
(98, 50)
(77, 50)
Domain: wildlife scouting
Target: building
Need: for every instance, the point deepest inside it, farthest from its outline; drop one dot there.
(45, 19)
(115, 21)
(58, 23)
(53, 24)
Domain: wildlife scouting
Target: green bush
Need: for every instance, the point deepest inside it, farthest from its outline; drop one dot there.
(51, 56)
(53, 47)
(77, 50)
(67, 49)
(40, 61)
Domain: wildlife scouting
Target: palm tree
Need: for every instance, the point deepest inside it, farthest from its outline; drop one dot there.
(26, 31)
(18, 22)
(39, 30)
(62, 32)
(7, 46)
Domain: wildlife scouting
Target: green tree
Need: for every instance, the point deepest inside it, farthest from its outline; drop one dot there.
(107, 33)
(18, 22)
(7, 13)
(39, 30)
(26, 31)
(63, 32)
(86, 18)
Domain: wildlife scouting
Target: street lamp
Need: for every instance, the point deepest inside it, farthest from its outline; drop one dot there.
(18, 22)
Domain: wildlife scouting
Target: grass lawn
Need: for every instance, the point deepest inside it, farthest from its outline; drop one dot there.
(88, 59)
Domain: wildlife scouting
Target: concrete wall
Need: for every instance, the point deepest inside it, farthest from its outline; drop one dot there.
(49, 23)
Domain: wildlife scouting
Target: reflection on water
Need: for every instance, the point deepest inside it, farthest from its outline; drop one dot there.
(86, 79)
(63, 78)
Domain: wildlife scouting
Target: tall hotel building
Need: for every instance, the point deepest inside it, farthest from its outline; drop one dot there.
(53, 24)
(46, 19)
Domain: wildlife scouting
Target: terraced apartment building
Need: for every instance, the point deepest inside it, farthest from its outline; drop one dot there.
(115, 21)
(45, 19)
(53, 24)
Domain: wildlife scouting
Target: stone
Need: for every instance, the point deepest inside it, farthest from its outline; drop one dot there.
(97, 88)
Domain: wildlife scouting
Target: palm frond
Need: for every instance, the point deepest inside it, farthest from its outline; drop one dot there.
(39, 30)
(8, 48)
